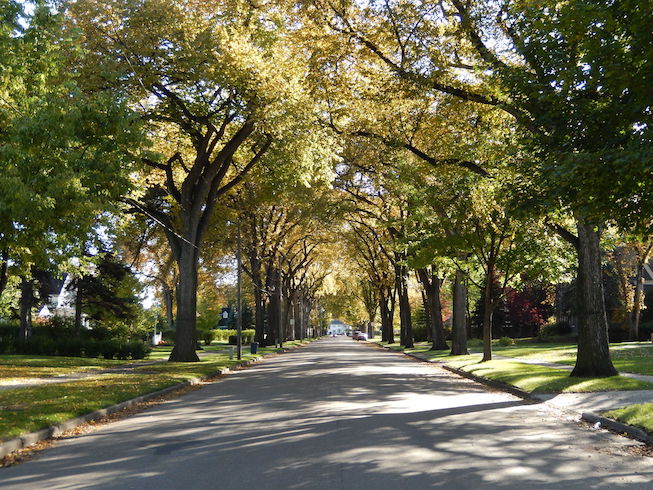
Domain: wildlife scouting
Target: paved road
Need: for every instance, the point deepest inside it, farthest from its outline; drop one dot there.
(339, 415)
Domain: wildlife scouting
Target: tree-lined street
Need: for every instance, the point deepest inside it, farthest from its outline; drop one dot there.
(339, 415)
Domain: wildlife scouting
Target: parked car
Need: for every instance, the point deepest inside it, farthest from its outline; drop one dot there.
(361, 336)
(355, 334)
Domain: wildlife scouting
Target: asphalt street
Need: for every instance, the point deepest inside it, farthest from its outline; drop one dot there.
(338, 414)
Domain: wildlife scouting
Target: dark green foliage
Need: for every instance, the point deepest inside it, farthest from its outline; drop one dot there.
(58, 338)
(556, 329)
(111, 293)
(248, 337)
(420, 328)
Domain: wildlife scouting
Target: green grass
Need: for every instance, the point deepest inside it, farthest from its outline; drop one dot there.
(640, 415)
(32, 408)
(630, 357)
(539, 379)
(29, 409)
(16, 367)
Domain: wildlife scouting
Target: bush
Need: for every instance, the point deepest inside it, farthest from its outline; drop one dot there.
(69, 347)
(108, 348)
(139, 350)
(475, 343)
(247, 335)
(207, 336)
(645, 331)
(93, 349)
(555, 329)
(225, 335)
(506, 341)
(420, 333)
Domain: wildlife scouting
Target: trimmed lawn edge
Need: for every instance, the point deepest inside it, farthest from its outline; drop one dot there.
(26, 440)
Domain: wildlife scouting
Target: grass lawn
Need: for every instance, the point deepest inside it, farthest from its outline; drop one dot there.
(629, 357)
(16, 367)
(28, 409)
(540, 379)
(638, 415)
(529, 377)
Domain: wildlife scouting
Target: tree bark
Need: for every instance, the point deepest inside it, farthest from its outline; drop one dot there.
(593, 359)
(488, 309)
(274, 308)
(167, 300)
(459, 317)
(433, 306)
(26, 300)
(186, 335)
(406, 336)
(387, 331)
(299, 327)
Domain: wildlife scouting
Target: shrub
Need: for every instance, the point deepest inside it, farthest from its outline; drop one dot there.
(475, 343)
(108, 348)
(139, 350)
(71, 347)
(93, 348)
(506, 341)
(222, 335)
(420, 333)
(646, 330)
(207, 336)
(555, 329)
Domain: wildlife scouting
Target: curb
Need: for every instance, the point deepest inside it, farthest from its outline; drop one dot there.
(618, 427)
(479, 379)
(21, 442)
(605, 423)
(492, 384)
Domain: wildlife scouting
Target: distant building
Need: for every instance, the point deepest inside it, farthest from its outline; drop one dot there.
(336, 327)
(60, 296)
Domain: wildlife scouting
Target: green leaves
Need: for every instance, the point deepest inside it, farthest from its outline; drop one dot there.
(62, 150)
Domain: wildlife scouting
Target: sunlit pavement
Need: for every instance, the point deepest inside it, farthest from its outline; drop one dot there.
(339, 415)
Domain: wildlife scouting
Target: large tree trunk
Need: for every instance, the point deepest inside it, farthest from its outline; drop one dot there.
(593, 358)
(274, 307)
(299, 330)
(167, 300)
(633, 334)
(186, 334)
(459, 317)
(386, 317)
(433, 306)
(488, 309)
(404, 307)
(26, 301)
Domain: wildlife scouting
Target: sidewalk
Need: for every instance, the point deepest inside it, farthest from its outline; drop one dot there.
(597, 401)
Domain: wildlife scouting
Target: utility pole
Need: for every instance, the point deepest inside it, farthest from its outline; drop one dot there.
(279, 283)
(239, 317)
